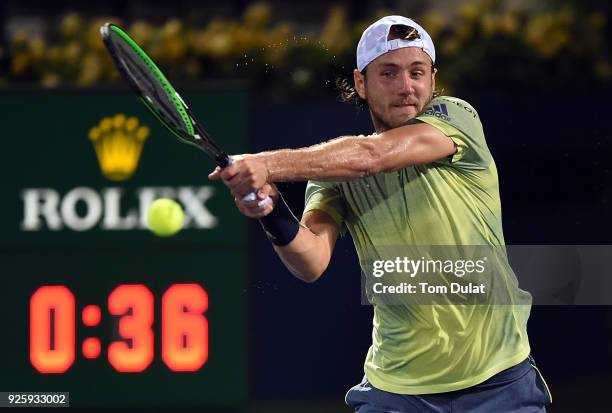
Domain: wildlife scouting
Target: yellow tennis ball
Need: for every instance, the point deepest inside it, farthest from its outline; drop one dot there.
(165, 217)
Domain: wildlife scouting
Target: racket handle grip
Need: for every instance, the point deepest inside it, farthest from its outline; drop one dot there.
(252, 196)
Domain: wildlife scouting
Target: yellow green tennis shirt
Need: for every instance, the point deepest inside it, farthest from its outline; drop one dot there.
(454, 201)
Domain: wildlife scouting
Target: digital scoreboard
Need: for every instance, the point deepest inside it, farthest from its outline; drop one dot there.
(184, 329)
(92, 302)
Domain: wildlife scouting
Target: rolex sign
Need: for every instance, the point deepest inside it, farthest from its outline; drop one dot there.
(95, 174)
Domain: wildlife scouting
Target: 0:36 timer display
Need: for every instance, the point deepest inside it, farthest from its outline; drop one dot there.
(184, 328)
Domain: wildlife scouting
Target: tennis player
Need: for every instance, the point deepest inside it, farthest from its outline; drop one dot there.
(426, 177)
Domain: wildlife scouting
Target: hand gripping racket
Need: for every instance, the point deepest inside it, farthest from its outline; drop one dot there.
(159, 96)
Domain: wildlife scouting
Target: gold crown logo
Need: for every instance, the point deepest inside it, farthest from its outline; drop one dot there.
(118, 142)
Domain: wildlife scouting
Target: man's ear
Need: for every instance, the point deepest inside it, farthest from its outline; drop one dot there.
(359, 80)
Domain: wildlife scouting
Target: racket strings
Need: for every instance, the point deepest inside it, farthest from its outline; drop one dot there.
(151, 88)
(138, 57)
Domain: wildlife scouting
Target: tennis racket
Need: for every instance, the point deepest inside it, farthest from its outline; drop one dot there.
(160, 97)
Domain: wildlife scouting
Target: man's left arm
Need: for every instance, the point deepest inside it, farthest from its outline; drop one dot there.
(341, 159)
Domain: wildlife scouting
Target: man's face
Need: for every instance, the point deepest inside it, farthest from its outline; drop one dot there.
(397, 86)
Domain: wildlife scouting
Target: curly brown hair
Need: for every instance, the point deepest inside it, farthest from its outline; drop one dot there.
(349, 94)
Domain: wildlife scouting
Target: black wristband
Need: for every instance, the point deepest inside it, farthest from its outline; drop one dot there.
(281, 225)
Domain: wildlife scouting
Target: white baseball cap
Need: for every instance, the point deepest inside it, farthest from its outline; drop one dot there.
(374, 43)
